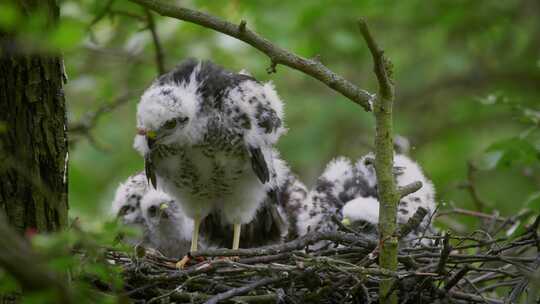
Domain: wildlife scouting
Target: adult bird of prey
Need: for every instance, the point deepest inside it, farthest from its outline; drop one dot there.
(127, 200)
(207, 137)
(349, 193)
(169, 229)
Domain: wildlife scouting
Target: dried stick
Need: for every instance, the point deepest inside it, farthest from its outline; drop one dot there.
(160, 57)
(413, 222)
(298, 244)
(471, 213)
(242, 290)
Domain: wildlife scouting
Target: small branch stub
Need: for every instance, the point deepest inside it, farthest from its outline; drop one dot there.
(242, 26)
(272, 68)
(409, 189)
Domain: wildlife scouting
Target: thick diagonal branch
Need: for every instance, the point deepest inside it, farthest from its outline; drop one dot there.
(277, 55)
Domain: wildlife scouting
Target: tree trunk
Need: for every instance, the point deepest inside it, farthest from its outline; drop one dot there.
(33, 135)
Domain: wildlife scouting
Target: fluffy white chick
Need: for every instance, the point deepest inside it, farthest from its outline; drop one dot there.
(349, 193)
(339, 183)
(408, 171)
(169, 229)
(127, 199)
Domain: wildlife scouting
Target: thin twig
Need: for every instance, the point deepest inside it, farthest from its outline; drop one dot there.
(160, 57)
(242, 290)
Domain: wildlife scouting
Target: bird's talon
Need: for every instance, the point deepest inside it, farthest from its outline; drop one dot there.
(182, 263)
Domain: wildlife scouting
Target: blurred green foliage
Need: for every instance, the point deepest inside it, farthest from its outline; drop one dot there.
(467, 76)
(80, 257)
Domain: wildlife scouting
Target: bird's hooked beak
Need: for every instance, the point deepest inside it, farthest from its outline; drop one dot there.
(150, 136)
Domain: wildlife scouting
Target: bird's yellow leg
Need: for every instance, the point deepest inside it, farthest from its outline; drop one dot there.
(195, 235)
(236, 236)
(194, 242)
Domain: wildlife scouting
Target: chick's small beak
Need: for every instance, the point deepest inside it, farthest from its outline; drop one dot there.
(346, 222)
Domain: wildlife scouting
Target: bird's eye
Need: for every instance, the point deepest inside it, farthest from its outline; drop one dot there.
(170, 124)
(152, 211)
(183, 119)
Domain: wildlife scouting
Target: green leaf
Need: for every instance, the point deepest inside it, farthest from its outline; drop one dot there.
(531, 116)
(533, 201)
(513, 151)
(489, 160)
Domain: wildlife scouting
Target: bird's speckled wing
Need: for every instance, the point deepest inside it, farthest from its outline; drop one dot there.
(259, 165)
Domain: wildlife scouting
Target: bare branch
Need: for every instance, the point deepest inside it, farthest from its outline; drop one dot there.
(445, 253)
(160, 57)
(413, 222)
(298, 244)
(276, 54)
(409, 189)
(471, 213)
(471, 186)
(381, 67)
(242, 290)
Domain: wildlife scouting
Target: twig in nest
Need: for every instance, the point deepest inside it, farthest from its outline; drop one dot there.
(242, 290)
(445, 253)
(413, 222)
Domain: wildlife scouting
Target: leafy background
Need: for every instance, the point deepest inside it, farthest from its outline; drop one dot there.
(467, 76)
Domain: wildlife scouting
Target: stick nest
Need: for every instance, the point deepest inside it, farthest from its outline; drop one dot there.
(474, 268)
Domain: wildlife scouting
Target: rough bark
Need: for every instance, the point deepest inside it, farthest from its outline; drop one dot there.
(33, 135)
(384, 158)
